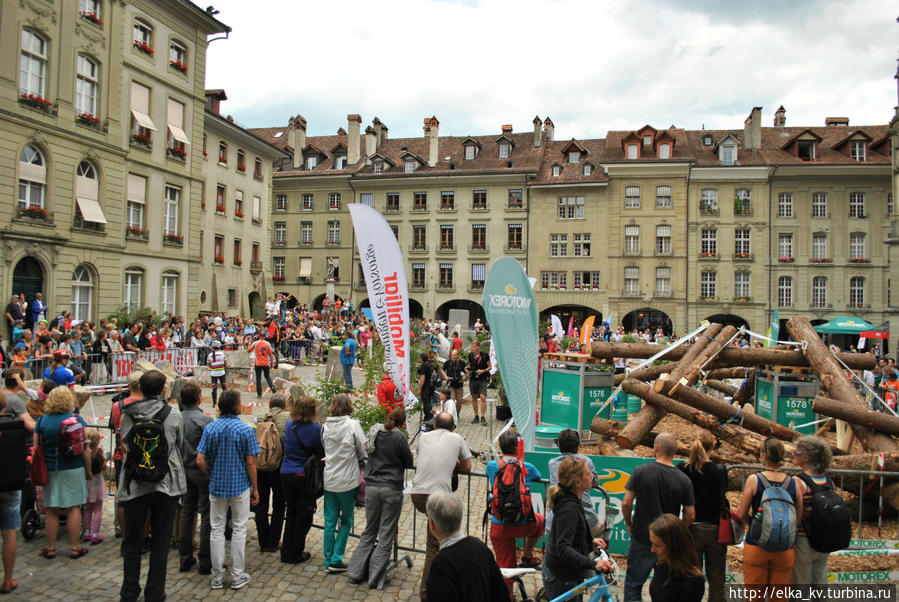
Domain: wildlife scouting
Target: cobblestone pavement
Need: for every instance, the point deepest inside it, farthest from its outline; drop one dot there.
(98, 575)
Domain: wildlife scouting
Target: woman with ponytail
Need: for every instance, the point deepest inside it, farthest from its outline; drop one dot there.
(569, 543)
(709, 486)
(388, 458)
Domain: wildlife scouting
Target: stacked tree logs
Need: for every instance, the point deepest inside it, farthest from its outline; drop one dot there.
(669, 388)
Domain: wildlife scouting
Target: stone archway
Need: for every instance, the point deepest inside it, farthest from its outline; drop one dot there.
(28, 279)
(257, 306)
(728, 320)
(646, 317)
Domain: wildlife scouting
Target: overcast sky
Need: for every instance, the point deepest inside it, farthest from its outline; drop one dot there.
(592, 66)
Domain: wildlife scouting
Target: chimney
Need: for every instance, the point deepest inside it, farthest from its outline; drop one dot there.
(752, 130)
(548, 129)
(780, 117)
(507, 130)
(538, 134)
(214, 100)
(371, 143)
(296, 139)
(353, 123)
(829, 121)
(376, 126)
(383, 135)
(432, 131)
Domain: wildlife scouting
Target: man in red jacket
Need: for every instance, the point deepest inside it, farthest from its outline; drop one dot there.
(388, 397)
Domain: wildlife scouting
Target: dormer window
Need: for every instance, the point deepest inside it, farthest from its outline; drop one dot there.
(707, 140)
(339, 161)
(647, 140)
(504, 149)
(377, 167)
(574, 157)
(632, 151)
(471, 151)
(806, 150)
(311, 162)
(857, 150)
(664, 151)
(728, 154)
(409, 166)
(557, 171)
(588, 169)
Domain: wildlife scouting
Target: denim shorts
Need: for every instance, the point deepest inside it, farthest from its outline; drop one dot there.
(10, 502)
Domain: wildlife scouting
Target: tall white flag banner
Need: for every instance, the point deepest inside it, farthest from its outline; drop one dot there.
(388, 294)
(558, 331)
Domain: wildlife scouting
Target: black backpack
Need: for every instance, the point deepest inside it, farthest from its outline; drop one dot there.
(313, 469)
(147, 449)
(434, 379)
(14, 440)
(829, 526)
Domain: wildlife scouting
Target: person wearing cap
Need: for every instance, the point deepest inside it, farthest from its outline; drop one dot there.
(217, 367)
(57, 372)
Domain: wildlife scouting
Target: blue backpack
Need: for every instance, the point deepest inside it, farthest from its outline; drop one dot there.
(773, 527)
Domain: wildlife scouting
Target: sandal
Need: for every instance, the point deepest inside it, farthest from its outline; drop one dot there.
(9, 586)
(48, 553)
(78, 553)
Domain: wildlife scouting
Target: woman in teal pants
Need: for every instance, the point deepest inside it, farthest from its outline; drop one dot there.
(344, 445)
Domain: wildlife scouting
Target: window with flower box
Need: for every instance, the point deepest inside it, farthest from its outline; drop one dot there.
(479, 199)
(785, 291)
(631, 281)
(278, 268)
(220, 193)
(88, 213)
(446, 275)
(741, 285)
(663, 282)
(32, 178)
(785, 204)
(708, 202)
(334, 201)
(632, 197)
(87, 84)
(743, 202)
(393, 201)
(237, 258)
(218, 249)
(819, 204)
(89, 10)
(134, 210)
(446, 237)
(33, 65)
(819, 291)
(819, 246)
(142, 126)
(334, 232)
(594, 278)
(857, 246)
(708, 285)
(571, 208)
(419, 237)
(708, 242)
(178, 57)
(223, 153)
(305, 233)
(241, 161)
(281, 202)
(553, 279)
(478, 236)
(171, 209)
(632, 240)
(558, 245)
(420, 201)
(176, 145)
(418, 275)
(447, 200)
(582, 244)
(478, 275)
(857, 205)
(663, 239)
(785, 247)
(143, 37)
(663, 197)
(280, 234)
(742, 242)
(514, 237)
(308, 202)
(515, 198)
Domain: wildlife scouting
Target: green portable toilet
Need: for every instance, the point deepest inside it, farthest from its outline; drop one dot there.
(634, 405)
(545, 439)
(619, 413)
(574, 392)
(787, 399)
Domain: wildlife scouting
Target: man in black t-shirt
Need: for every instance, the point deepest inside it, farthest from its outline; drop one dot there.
(425, 387)
(13, 313)
(453, 372)
(129, 340)
(478, 375)
(659, 488)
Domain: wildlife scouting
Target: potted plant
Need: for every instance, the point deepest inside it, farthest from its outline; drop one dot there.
(88, 119)
(91, 17)
(35, 212)
(502, 409)
(36, 101)
(145, 48)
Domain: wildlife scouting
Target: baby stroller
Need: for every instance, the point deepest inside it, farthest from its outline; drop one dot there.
(32, 509)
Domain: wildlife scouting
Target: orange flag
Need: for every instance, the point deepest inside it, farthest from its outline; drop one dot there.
(586, 330)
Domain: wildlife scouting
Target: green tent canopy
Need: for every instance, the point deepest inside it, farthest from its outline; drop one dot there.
(844, 325)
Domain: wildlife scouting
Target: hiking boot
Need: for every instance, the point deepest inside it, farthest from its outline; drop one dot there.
(483, 422)
(476, 419)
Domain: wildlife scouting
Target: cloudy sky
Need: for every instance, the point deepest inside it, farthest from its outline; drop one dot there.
(592, 66)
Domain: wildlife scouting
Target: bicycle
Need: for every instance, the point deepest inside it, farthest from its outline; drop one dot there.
(598, 581)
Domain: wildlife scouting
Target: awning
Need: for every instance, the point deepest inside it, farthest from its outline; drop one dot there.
(178, 134)
(844, 325)
(305, 267)
(143, 120)
(478, 271)
(879, 332)
(91, 211)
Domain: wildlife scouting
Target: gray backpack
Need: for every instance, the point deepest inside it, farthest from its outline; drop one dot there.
(773, 527)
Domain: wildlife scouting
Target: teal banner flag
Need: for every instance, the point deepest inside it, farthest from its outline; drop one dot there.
(774, 329)
(512, 315)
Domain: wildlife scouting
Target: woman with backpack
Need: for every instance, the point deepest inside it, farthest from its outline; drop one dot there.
(344, 444)
(302, 439)
(709, 486)
(389, 457)
(68, 467)
(813, 456)
(771, 515)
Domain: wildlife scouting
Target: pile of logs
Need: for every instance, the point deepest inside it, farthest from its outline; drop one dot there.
(669, 388)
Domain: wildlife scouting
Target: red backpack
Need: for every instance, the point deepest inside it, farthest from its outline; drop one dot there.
(511, 500)
(70, 442)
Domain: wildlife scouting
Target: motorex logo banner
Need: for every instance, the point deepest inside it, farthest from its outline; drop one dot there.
(512, 314)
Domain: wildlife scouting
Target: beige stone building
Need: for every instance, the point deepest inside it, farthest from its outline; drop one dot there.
(100, 113)
(234, 225)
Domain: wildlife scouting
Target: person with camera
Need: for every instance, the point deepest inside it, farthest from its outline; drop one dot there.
(453, 372)
(429, 380)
